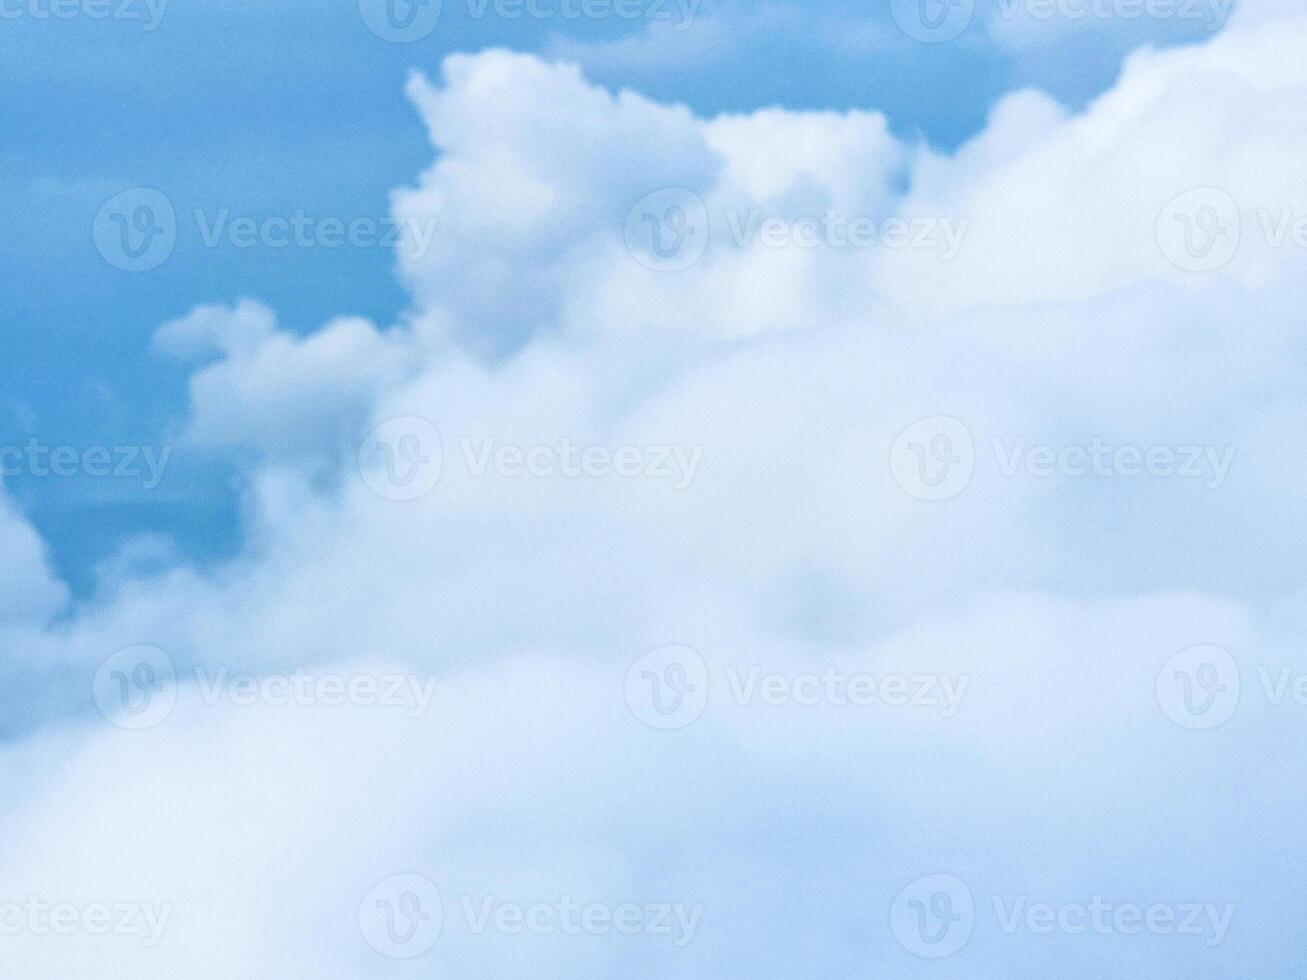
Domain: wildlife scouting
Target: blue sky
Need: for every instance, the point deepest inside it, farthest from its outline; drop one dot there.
(262, 109)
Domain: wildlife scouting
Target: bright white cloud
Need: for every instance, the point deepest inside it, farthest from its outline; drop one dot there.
(715, 456)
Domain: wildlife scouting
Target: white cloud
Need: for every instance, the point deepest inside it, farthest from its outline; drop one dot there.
(794, 548)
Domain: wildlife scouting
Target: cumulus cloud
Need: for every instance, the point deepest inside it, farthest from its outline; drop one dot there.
(577, 449)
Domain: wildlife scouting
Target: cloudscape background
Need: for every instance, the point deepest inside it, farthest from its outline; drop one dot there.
(812, 488)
